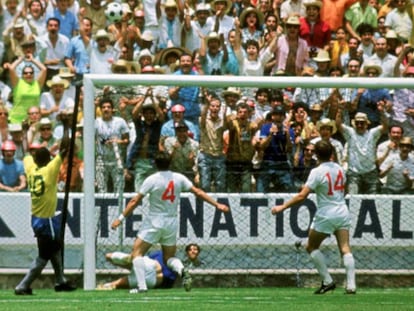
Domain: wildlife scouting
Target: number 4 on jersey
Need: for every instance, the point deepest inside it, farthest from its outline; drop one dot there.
(338, 185)
(169, 192)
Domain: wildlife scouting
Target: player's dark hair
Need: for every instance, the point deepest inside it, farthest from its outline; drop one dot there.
(187, 248)
(162, 161)
(42, 157)
(323, 150)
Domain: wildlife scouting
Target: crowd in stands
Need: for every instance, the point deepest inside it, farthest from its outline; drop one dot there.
(224, 139)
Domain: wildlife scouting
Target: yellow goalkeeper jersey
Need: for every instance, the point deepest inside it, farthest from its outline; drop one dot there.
(43, 186)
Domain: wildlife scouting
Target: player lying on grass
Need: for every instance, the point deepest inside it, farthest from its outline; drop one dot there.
(160, 225)
(332, 216)
(157, 274)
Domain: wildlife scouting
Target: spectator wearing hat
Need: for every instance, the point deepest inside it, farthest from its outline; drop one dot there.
(197, 29)
(211, 159)
(139, 19)
(145, 58)
(231, 96)
(242, 145)
(148, 120)
(399, 170)
(213, 54)
(55, 45)
(394, 45)
(102, 54)
(188, 96)
(66, 74)
(178, 116)
(17, 137)
(315, 31)
(276, 141)
(168, 59)
(222, 22)
(382, 58)
(251, 25)
(77, 57)
(310, 130)
(322, 63)
(12, 175)
(95, 11)
(368, 100)
(13, 37)
(69, 25)
(183, 151)
(403, 105)
(362, 173)
(327, 129)
(26, 90)
(170, 24)
(292, 51)
(292, 8)
(357, 14)
(46, 138)
(55, 100)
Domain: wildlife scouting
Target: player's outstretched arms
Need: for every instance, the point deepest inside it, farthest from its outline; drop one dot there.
(302, 195)
(201, 194)
(132, 204)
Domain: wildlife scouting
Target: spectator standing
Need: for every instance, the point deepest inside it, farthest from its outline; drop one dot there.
(241, 148)
(52, 102)
(102, 55)
(56, 45)
(303, 163)
(213, 54)
(222, 22)
(390, 146)
(399, 170)
(69, 25)
(112, 138)
(333, 12)
(399, 20)
(17, 137)
(360, 12)
(4, 127)
(183, 151)
(314, 30)
(188, 96)
(211, 160)
(95, 11)
(276, 141)
(251, 25)
(292, 51)
(292, 8)
(362, 174)
(178, 116)
(196, 29)
(170, 24)
(12, 176)
(36, 18)
(46, 138)
(26, 90)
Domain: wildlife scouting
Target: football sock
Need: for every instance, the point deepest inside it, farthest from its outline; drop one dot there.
(57, 265)
(176, 265)
(138, 265)
(35, 270)
(319, 261)
(349, 264)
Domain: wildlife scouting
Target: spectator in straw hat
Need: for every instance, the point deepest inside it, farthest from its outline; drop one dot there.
(367, 100)
(310, 130)
(251, 24)
(322, 62)
(315, 31)
(46, 138)
(55, 100)
(289, 62)
(102, 55)
(222, 22)
(171, 24)
(17, 136)
(66, 74)
(213, 54)
(326, 129)
(198, 28)
(231, 96)
(362, 174)
(399, 170)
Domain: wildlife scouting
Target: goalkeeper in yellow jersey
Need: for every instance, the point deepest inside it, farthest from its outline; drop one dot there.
(42, 172)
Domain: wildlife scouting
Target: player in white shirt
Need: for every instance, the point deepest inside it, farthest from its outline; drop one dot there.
(332, 216)
(160, 225)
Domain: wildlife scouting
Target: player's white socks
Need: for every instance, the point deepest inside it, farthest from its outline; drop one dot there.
(138, 266)
(120, 258)
(319, 261)
(175, 265)
(349, 264)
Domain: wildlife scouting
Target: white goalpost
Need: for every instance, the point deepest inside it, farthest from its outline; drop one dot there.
(91, 81)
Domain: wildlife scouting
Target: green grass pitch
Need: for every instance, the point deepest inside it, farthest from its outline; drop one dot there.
(200, 299)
